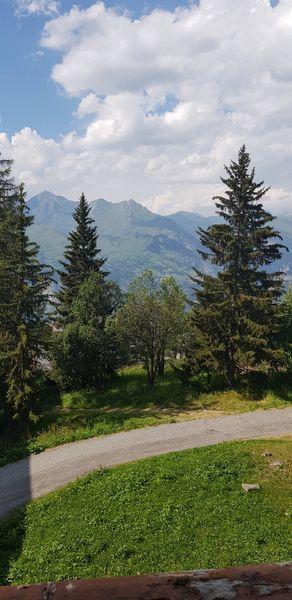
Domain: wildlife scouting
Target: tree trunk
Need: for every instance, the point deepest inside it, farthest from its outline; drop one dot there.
(161, 365)
(230, 370)
(151, 373)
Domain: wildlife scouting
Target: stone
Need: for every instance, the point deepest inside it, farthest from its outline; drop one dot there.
(249, 487)
(267, 453)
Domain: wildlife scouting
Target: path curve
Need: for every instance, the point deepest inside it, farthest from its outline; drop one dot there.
(39, 474)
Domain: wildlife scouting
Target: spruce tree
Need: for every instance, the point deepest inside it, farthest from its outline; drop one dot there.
(234, 312)
(8, 198)
(86, 352)
(82, 258)
(29, 284)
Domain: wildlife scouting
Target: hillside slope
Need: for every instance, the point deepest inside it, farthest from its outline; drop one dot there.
(132, 237)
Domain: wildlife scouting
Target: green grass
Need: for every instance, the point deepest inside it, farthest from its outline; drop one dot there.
(128, 404)
(182, 511)
(131, 392)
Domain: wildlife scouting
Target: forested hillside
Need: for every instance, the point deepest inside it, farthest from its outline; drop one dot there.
(132, 237)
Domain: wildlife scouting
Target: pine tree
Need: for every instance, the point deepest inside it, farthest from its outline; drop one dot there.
(81, 260)
(8, 198)
(234, 312)
(85, 353)
(29, 284)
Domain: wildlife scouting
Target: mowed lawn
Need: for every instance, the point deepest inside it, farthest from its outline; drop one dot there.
(182, 511)
(128, 404)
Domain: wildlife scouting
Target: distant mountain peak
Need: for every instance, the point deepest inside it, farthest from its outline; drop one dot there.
(131, 236)
(101, 201)
(47, 196)
(135, 207)
(132, 202)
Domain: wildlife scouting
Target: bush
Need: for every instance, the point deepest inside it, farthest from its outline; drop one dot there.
(84, 357)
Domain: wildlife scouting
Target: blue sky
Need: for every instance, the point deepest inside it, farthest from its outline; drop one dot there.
(124, 101)
(28, 96)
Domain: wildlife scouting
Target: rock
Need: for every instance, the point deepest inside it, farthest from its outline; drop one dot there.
(249, 487)
(276, 464)
(267, 453)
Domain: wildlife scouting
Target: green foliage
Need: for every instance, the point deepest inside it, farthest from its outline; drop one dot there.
(23, 300)
(20, 378)
(178, 512)
(86, 352)
(285, 324)
(235, 311)
(151, 321)
(8, 200)
(29, 281)
(81, 260)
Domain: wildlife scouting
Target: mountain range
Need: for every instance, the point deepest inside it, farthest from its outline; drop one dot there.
(133, 238)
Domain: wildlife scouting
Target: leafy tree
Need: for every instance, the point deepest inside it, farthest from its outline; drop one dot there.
(285, 323)
(86, 352)
(234, 312)
(174, 319)
(82, 258)
(151, 320)
(29, 282)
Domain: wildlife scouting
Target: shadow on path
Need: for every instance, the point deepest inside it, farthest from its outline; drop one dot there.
(12, 519)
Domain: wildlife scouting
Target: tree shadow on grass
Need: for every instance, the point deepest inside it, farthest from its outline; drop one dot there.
(130, 390)
(258, 385)
(16, 443)
(15, 490)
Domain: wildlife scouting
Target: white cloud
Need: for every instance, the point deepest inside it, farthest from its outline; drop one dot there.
(36, 7)
(165, 101)
(89, 105)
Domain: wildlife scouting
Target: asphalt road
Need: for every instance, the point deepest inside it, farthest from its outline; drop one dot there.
(39, 474)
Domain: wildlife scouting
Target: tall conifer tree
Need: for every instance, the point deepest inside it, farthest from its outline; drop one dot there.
(82, 258)
(29, 282)
(234, 312)
(8, 199)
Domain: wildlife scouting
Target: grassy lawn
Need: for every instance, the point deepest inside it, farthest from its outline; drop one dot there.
(177, 512)
(128, 404)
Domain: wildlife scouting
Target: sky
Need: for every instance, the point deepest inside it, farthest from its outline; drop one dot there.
(146, 100)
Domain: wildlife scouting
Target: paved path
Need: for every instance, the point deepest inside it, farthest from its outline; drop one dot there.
(39, 474)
